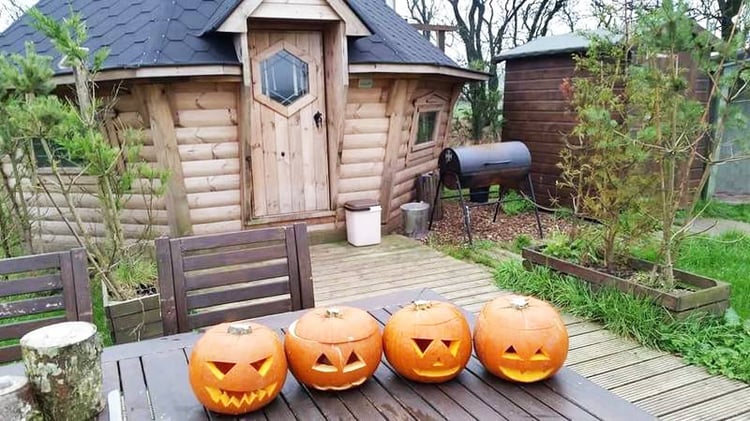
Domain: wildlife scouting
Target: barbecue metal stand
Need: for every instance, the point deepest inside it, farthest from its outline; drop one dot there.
(466, 207)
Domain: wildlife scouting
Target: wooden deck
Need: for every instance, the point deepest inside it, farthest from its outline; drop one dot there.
(655, 381)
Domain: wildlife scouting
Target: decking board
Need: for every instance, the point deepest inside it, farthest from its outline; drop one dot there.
(658, 382)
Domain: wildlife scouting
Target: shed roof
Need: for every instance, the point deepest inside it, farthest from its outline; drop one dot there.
(554, 44)
(150, 33)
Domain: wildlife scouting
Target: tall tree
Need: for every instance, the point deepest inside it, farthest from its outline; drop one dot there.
(486, 27)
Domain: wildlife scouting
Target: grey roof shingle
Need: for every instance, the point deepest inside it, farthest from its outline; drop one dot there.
(141, 33)
(553, 44)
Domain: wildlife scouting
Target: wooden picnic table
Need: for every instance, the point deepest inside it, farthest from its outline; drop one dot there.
(151, 378)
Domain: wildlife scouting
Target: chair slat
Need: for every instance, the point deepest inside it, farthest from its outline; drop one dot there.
(249, 311)
(227, 277)
(249, 292)
(305, 265)
(18, 329)
(166, 286)
(31, 306)
(33, 284)
(205, 261)
(79, 261)
(29, 263)
(10, 353)
(231, 239)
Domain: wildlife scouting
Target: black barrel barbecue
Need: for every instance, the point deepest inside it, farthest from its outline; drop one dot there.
(507, 164)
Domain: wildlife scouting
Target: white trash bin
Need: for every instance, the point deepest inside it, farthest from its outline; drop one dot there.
(362, 222)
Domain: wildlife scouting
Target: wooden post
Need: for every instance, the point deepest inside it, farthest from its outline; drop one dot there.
(168, 157)
(63, 362)
(337, 82)
(17, 399)
(426, 188)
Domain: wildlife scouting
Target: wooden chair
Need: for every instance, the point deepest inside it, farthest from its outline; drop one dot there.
(40, 290)
(215, 278)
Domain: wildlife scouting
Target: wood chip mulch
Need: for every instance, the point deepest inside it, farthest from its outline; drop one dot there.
(450, 230)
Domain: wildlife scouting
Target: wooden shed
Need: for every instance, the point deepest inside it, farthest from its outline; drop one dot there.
(264, 111)
(536, 111)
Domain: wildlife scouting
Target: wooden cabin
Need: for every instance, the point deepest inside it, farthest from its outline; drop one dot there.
(263, 111)
(536, 111)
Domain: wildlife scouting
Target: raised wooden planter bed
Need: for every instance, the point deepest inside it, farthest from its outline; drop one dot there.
(134, 320)
(705, 294)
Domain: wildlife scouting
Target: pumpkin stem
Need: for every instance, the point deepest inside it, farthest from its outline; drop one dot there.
(422, 304)
(239, 329)
(519, 302)
(333, 312)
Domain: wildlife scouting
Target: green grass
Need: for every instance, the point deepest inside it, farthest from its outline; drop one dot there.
(714, 209)
(726, 258)
(722, 345)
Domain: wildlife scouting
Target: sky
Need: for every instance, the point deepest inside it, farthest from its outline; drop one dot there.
(8, 11)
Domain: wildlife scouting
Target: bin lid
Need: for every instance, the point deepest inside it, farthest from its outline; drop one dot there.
(360, 205)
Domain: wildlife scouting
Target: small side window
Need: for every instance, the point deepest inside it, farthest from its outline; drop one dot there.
(426, 127)
(43, 161)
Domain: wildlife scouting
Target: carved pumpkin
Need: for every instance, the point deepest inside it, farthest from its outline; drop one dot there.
(427, 341)
(237, 367)
(521, 339)
(333, 348)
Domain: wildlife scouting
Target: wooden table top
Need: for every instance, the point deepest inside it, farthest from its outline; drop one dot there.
(151, 378)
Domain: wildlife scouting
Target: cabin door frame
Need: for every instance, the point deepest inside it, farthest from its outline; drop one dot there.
(288, 147)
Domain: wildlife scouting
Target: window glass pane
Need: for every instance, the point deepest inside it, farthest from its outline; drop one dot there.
(426, 127)
(42, 160)
(284, 77)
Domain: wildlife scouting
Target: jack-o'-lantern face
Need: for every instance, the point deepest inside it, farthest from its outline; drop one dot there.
(333, 349)
(521, 339)
(427, 341)
(237, 368)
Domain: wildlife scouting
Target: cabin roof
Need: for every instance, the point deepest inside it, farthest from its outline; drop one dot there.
(150, 33)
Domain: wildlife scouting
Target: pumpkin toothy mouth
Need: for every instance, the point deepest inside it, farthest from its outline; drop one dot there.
(526, 375)
(344, 387)
(238, 399)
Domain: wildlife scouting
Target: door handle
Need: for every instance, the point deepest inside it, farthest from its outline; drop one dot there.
(318, 118)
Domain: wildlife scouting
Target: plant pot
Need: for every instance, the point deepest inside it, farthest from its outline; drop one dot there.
(133, 320)
(710, 295)
(479, 194)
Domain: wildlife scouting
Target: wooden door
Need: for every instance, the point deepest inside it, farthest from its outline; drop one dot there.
(288, 141)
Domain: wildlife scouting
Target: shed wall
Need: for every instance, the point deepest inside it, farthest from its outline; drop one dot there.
(536, 112)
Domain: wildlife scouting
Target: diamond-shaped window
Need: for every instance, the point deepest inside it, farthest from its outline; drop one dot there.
(284, 77)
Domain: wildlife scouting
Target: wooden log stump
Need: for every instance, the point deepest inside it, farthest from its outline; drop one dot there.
(63, 363)
(17, 399)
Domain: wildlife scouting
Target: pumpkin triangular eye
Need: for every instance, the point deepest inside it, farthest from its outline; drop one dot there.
(422, 344)
(539, 355)
(452, 346)
(511, 354)
(220, 368)
(353, 363)
(323, 364)
(262, 365)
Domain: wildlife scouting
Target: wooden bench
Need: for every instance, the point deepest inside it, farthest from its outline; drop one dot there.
(40, 290)
(210, 279)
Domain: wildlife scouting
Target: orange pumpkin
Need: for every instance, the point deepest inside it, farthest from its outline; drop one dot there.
(427, 341)
(237, 367)
(333, 348)
(521, 339)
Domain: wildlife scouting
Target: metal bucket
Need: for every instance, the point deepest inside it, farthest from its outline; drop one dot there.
(416, 216)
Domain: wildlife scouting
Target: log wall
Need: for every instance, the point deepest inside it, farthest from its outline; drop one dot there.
(205, 133)
(370, 167)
